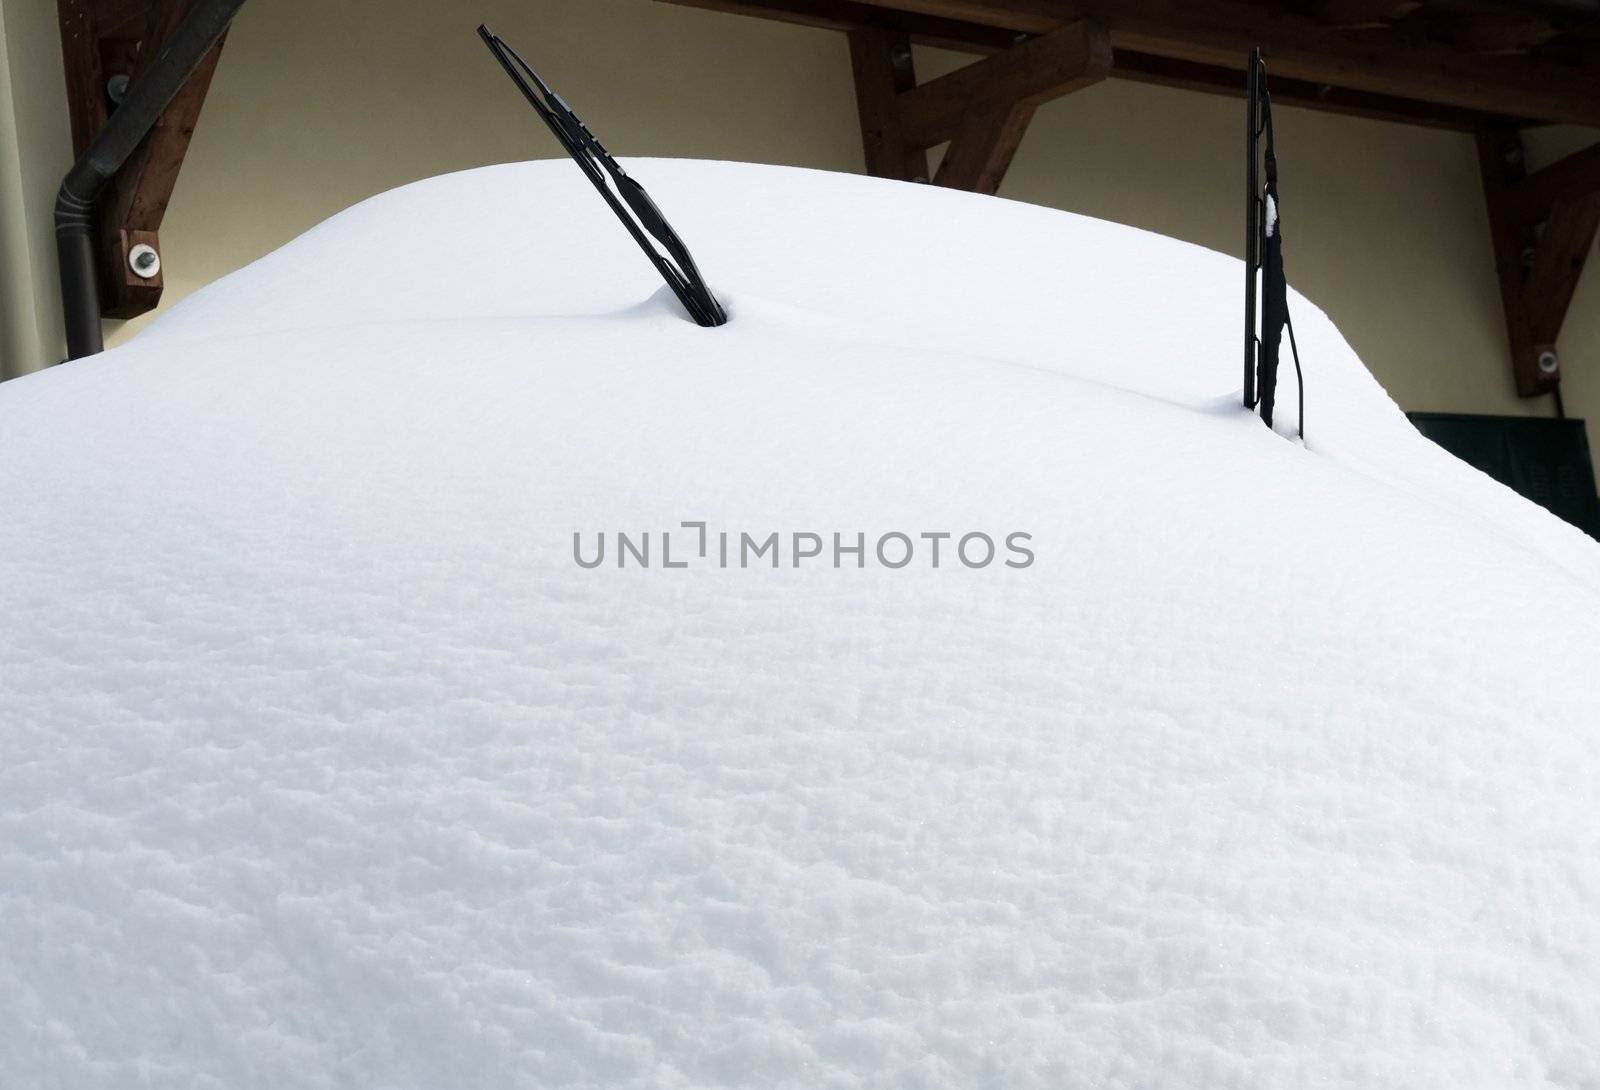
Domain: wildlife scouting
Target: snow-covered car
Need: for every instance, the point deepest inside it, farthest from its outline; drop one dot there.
(429, 660)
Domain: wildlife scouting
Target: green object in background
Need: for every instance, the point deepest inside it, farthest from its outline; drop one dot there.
(1543, 459)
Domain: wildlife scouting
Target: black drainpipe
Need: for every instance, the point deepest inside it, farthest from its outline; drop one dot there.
(110, 148)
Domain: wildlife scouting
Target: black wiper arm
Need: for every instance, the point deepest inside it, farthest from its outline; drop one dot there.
(1264, 276)
(635, 209)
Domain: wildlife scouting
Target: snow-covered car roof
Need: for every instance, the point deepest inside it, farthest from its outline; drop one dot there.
(327, 759)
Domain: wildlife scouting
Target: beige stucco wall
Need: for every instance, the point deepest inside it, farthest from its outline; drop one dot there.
(319, 105)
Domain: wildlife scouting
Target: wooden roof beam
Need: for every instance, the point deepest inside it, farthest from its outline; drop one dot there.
(1165, 72)
(1222, 32)
(1361, 14)
(850, 15)
(1499, 33)
(1128, 63)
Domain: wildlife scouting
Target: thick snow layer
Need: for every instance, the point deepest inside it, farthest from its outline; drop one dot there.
(323, 764)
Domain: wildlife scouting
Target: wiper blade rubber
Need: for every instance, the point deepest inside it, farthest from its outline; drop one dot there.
(626, 197)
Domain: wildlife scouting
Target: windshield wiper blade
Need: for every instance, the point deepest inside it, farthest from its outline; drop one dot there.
(1264, 258)
(626, 197)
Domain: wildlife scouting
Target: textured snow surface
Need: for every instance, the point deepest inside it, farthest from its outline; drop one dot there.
(322, 764)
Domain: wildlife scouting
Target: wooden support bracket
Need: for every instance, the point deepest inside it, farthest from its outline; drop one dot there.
(106, 45)
(1558, 261)
(881, 61)
(1538, 267)
(1535, 196)
(981, 150)
(983, 109)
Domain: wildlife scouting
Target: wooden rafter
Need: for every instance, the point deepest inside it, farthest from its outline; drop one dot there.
(1402, 68)
(1361, 14)
(1499, 33)
(1126, 64)
(1190, 76)
(1222, 32)
(850, 14)
(107, 43)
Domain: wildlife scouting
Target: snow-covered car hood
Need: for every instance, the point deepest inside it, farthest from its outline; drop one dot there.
(326, 761)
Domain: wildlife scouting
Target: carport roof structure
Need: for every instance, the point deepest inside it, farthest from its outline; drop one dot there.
(1479, 66)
